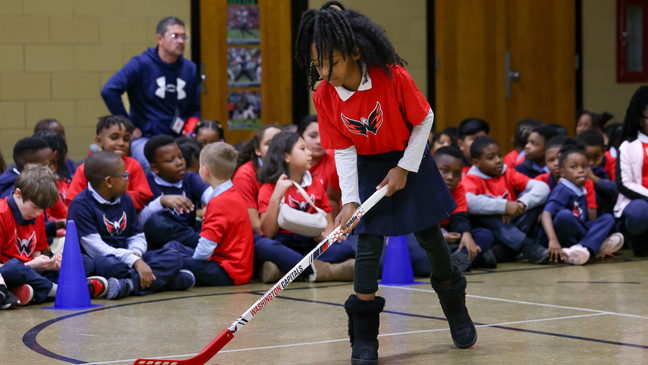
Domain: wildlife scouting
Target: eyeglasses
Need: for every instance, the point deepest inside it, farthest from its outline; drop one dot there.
(125, 175)
(178, 36)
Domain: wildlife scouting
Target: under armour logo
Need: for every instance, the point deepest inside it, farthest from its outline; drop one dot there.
(163, 88)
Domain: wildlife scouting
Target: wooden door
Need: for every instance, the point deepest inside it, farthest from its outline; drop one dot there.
(276, 52)
(472, 40)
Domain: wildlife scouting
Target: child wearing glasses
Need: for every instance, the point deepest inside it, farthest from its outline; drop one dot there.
(110, 234)
(114, 135)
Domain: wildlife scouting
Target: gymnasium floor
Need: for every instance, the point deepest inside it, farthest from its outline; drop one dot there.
(556, 314)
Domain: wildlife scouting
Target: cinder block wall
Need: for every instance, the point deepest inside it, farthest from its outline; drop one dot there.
(57, 54)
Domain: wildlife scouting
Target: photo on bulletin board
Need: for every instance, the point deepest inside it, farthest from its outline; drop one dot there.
(243, 67)
(243, 22)
(244, 109)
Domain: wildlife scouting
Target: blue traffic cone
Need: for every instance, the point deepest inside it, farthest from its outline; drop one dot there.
(397, 267)
(72, 292)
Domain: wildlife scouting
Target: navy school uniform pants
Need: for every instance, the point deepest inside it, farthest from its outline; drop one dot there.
(165, 264)
(206, 272)
(420, 263)
(287, 249)
(635, 222)
(571, 231)
(161, 228)
(511, 235)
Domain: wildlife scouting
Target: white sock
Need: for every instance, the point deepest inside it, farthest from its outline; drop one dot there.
(52, 292)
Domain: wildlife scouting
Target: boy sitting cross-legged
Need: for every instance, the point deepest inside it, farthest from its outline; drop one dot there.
(110, 234)
(177, 194)
(565, 219)
(224, 255)
(504, 201)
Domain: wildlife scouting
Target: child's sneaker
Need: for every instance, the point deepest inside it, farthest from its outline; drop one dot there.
(611, 245)
(7, 299)
(534, 252)
(119, 288)
(487, 260)
(270, 272)
(576, 255)
(461, 261)
(25, 293)
(183, 281)
(97, 286)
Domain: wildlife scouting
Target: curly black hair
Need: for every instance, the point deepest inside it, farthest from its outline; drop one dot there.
(634, 114)
(334, 28)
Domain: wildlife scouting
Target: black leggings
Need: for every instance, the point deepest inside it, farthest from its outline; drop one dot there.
(365, 280)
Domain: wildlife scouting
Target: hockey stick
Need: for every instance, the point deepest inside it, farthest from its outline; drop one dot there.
(228, 334)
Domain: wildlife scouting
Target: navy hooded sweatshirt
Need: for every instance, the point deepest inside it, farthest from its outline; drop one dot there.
(157, 92)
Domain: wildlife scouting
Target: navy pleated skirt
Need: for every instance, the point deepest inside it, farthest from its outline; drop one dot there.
(423, 202)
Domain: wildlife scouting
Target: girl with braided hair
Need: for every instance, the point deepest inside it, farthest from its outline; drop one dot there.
(377, 121)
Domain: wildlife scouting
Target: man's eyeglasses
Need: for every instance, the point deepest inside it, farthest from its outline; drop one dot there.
(178, 36)
(125, 175)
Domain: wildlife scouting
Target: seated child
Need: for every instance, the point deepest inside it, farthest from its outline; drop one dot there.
(208, 131)
(22, 232)
(114, 135)
(225, 251)
(505, 202)
(534, 159)
(27, 150)
(631, 208)
(565, 221)
(110, 234)
(191, 151)
(249, 161)
(171, 215)
(552, 158)
(54, 126)
(468, 130)
(601, 170)
(442, 139)
(288, 159)
(523, 129)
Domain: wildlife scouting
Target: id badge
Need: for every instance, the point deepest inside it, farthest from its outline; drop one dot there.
(177, 125)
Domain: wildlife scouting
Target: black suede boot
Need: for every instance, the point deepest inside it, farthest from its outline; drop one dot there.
(453, 302)
(364, 319)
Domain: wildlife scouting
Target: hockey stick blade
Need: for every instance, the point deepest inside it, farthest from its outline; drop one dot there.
(228, 334)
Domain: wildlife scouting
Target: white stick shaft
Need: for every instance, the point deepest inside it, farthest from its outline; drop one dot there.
(305, 262)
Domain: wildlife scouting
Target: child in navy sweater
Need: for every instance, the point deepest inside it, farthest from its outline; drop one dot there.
(601, 170)
(110, 234)
(177, 194)
(565, 220)
(534, 159)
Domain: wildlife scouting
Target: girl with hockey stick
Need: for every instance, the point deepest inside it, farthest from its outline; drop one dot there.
(371, 112)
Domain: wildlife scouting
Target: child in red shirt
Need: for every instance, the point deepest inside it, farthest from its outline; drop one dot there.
(114, 135)
(504, 201)
(288, 160)
(601, 170)
(224, 254)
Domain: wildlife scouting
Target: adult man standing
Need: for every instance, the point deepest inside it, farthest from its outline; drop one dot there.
(163, 89)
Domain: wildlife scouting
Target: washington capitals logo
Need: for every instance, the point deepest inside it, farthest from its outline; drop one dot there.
(365, 125)
(578, 211)
(26, 246)
(117, 227)
(303, 206)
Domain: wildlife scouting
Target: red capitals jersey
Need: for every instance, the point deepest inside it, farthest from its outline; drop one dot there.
(295, 199)
(459, 195)
(227, 222)
(377, 120)
(20, 241)
(507, 186)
